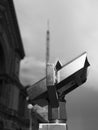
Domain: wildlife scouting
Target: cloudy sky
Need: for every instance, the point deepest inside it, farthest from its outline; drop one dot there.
(73, 30)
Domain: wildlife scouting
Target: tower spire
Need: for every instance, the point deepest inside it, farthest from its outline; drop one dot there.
(47, 44)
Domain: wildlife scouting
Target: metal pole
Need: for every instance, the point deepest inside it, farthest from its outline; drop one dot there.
(30, 115)
(30, 128)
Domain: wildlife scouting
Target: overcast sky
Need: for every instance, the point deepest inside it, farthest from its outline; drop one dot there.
(73, 30)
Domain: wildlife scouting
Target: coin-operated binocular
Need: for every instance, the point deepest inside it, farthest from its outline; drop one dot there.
(59, 81)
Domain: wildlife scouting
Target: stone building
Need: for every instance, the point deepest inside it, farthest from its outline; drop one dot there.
(14, 114)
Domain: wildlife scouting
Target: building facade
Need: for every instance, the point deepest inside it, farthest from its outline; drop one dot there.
(14, 114)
